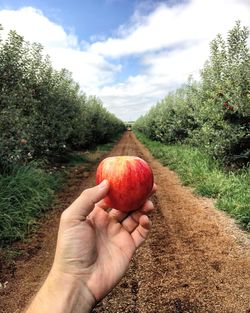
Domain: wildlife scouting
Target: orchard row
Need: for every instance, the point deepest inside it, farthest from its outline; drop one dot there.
(214, 113)
(43, 113)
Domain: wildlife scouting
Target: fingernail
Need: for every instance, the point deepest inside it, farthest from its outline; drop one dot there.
(103, 184)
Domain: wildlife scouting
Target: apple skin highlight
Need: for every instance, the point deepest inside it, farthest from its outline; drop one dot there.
(131, 181)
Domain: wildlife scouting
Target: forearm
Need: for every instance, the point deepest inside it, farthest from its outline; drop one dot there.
(62, 295)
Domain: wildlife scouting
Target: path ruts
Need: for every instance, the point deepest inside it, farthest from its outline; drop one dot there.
(196, 260)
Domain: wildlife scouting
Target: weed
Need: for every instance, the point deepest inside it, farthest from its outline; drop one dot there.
(197, 169)
(26, 193)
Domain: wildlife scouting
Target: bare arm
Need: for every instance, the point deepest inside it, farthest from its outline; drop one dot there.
(93, 251)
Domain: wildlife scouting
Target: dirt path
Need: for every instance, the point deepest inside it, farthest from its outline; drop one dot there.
(195, 261)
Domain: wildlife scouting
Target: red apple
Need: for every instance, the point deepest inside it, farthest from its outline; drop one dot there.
(131, 181)
(23, 141)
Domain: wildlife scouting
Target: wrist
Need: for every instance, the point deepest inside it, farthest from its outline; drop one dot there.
(63, 293)
(74, 291)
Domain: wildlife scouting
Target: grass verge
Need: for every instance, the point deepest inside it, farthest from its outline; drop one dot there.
(229, 188)
(25, 194)
(105, 147)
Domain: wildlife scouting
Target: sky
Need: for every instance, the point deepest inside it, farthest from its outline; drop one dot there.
(129, 53)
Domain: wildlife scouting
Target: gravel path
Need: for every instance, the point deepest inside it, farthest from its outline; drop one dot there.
(195, 261)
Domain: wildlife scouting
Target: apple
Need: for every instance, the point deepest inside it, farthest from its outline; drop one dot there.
(23, 141)
(131, 181)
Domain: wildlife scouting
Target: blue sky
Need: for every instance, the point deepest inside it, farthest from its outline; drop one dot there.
(87, 17)
(129, 53)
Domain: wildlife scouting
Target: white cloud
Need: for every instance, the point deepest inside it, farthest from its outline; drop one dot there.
(89, 69)
(175, 25)
(34, 26)
(171, 42)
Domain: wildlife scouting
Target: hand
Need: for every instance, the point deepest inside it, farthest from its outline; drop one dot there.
(95, 244)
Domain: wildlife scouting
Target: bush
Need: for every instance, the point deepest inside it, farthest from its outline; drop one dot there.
(43, 113)
(199, 170)
(213, 114)
(43, 116)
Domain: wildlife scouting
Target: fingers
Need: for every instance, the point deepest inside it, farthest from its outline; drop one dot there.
(103, 205)
(85, 203)
(141, 232)
(132, 220)
(147, 207)
(120, 216)
(153, 190)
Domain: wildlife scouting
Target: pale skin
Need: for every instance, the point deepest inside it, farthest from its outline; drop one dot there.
(94, 247)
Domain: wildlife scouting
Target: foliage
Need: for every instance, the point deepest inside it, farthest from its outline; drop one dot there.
(196, 168)
(25, 192)
(43, 113)
(43, 116)
(213, 114)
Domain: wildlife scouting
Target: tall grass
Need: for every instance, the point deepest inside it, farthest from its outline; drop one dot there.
(25, 193)
(229, 188)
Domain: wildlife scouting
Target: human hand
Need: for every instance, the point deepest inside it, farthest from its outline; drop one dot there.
(95, 244)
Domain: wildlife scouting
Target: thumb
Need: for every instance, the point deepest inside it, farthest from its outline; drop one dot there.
(85, 203)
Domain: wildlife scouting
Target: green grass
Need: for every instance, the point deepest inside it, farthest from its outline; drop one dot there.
(76, 158)
(25, 194)
(105, 147)
(230, 188)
